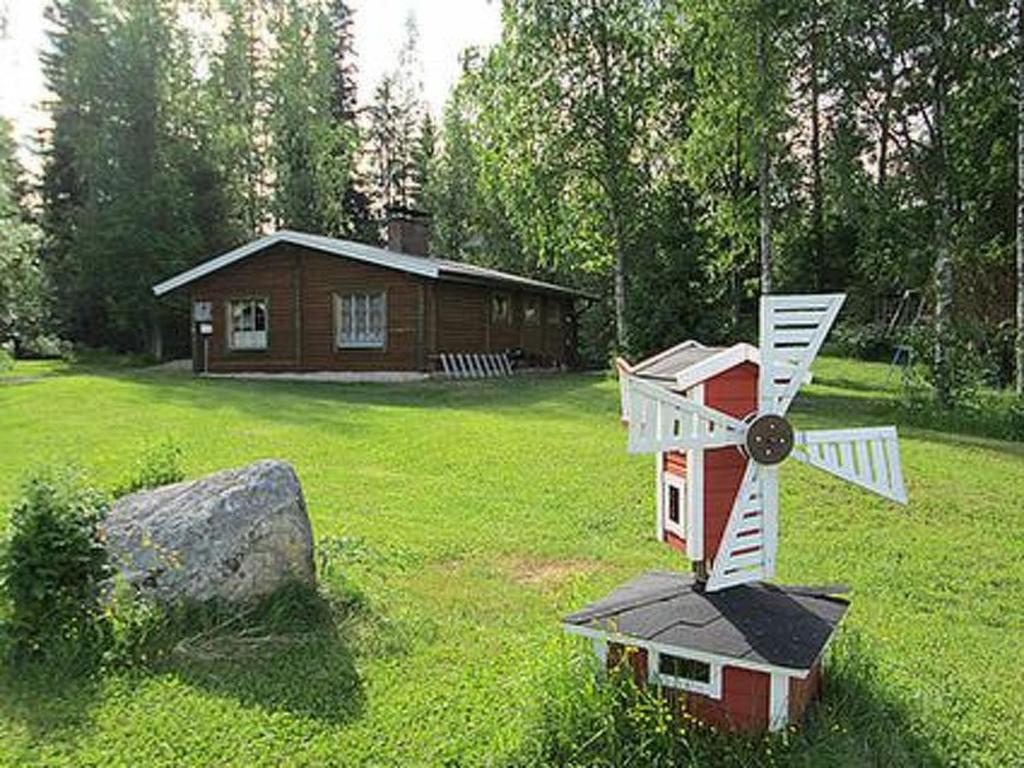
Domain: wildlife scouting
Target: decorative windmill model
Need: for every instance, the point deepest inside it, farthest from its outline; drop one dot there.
(660, 419)
(747, 657)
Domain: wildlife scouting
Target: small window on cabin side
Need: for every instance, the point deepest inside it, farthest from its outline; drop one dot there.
(684, 668)
(554, 313)
(531, 311)
(362, 320)
(501, 309)
(248, 320)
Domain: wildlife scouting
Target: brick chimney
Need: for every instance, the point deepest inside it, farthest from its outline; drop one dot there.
(408, 230)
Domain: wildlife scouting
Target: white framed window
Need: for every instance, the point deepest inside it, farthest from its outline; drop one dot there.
(362, 320)
(531, 310)
(673, 503)
(247, 323)
(501, 309)
(687, 674)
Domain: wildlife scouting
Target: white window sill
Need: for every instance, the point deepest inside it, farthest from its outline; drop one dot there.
(693, 686)
(362, 345)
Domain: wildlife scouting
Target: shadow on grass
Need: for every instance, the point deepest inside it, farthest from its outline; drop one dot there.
(858, 721)
(887, 386)
(49, 699)
(584, 718)
(293, 653)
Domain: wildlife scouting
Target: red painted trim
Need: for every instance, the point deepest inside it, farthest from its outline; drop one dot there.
(675, 463)
(636, 658)
(733, 392)
(803, 692)
(743, 706)
(675, 542)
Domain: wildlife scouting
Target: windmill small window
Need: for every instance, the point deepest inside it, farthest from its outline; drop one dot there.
(674, 504)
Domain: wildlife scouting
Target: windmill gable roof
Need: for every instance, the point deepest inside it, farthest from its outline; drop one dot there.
(691, 363)
(424, 266)
(758, 624)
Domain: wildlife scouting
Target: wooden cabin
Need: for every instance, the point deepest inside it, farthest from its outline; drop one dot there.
(295, 302)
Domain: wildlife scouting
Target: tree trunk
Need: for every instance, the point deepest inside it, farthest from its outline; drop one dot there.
(1019, 345)
(943, 236)
(817, 188)
(765, 242)
(621, 329)
(884, 131)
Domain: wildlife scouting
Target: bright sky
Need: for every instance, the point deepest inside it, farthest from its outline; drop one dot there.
(446, 27)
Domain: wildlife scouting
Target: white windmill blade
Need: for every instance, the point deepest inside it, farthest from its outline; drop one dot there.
(747, 550)
(661, 420)
(868, 457)
(792, 331)
(769, 497)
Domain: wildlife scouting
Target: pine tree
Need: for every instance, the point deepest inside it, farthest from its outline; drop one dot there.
(394, 119)
(24, 287)
(235, 91)
(72, 66)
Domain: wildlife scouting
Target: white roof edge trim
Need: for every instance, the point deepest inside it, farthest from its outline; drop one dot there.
(329, 245)
(666, 352)
(705, 656)
(212, 265)
(730, 357)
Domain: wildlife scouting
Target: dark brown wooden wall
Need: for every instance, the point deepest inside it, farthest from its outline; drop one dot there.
(464, 323)
(424, 316)
(272, 275)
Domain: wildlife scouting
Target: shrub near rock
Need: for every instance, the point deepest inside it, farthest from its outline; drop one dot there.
(53, 562)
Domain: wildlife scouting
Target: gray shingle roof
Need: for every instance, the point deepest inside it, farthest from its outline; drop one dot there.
(438, 269)
(665, 366)
(763, 623)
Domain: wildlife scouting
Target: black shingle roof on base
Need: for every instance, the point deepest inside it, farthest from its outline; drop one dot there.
(763, 623)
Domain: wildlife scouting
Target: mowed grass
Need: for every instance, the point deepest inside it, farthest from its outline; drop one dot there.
(473, 516)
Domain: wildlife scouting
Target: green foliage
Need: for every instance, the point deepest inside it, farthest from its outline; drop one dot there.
(53, 563)
(866, 341)
(969, 370)
(587, 718)
(400, 134)
(159, 464)
(6, 359)
(25, 292)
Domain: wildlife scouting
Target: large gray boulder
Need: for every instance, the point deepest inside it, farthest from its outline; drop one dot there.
(233, 535)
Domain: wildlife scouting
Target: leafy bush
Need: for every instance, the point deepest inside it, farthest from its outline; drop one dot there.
(6, 359)
(53, 563)
(865, 341)
(160, 464)
(969, 370)
(1015, 419)
(46, 347)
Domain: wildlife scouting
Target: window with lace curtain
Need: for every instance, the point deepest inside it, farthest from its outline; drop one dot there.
(361, 320)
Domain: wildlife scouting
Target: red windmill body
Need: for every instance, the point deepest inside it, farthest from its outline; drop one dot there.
(722, 644)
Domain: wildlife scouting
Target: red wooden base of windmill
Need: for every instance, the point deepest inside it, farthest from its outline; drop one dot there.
(720, 642)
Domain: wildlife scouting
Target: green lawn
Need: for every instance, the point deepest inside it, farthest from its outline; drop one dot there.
(475, 515)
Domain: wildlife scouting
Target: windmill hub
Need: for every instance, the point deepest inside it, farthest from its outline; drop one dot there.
(769, 439)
